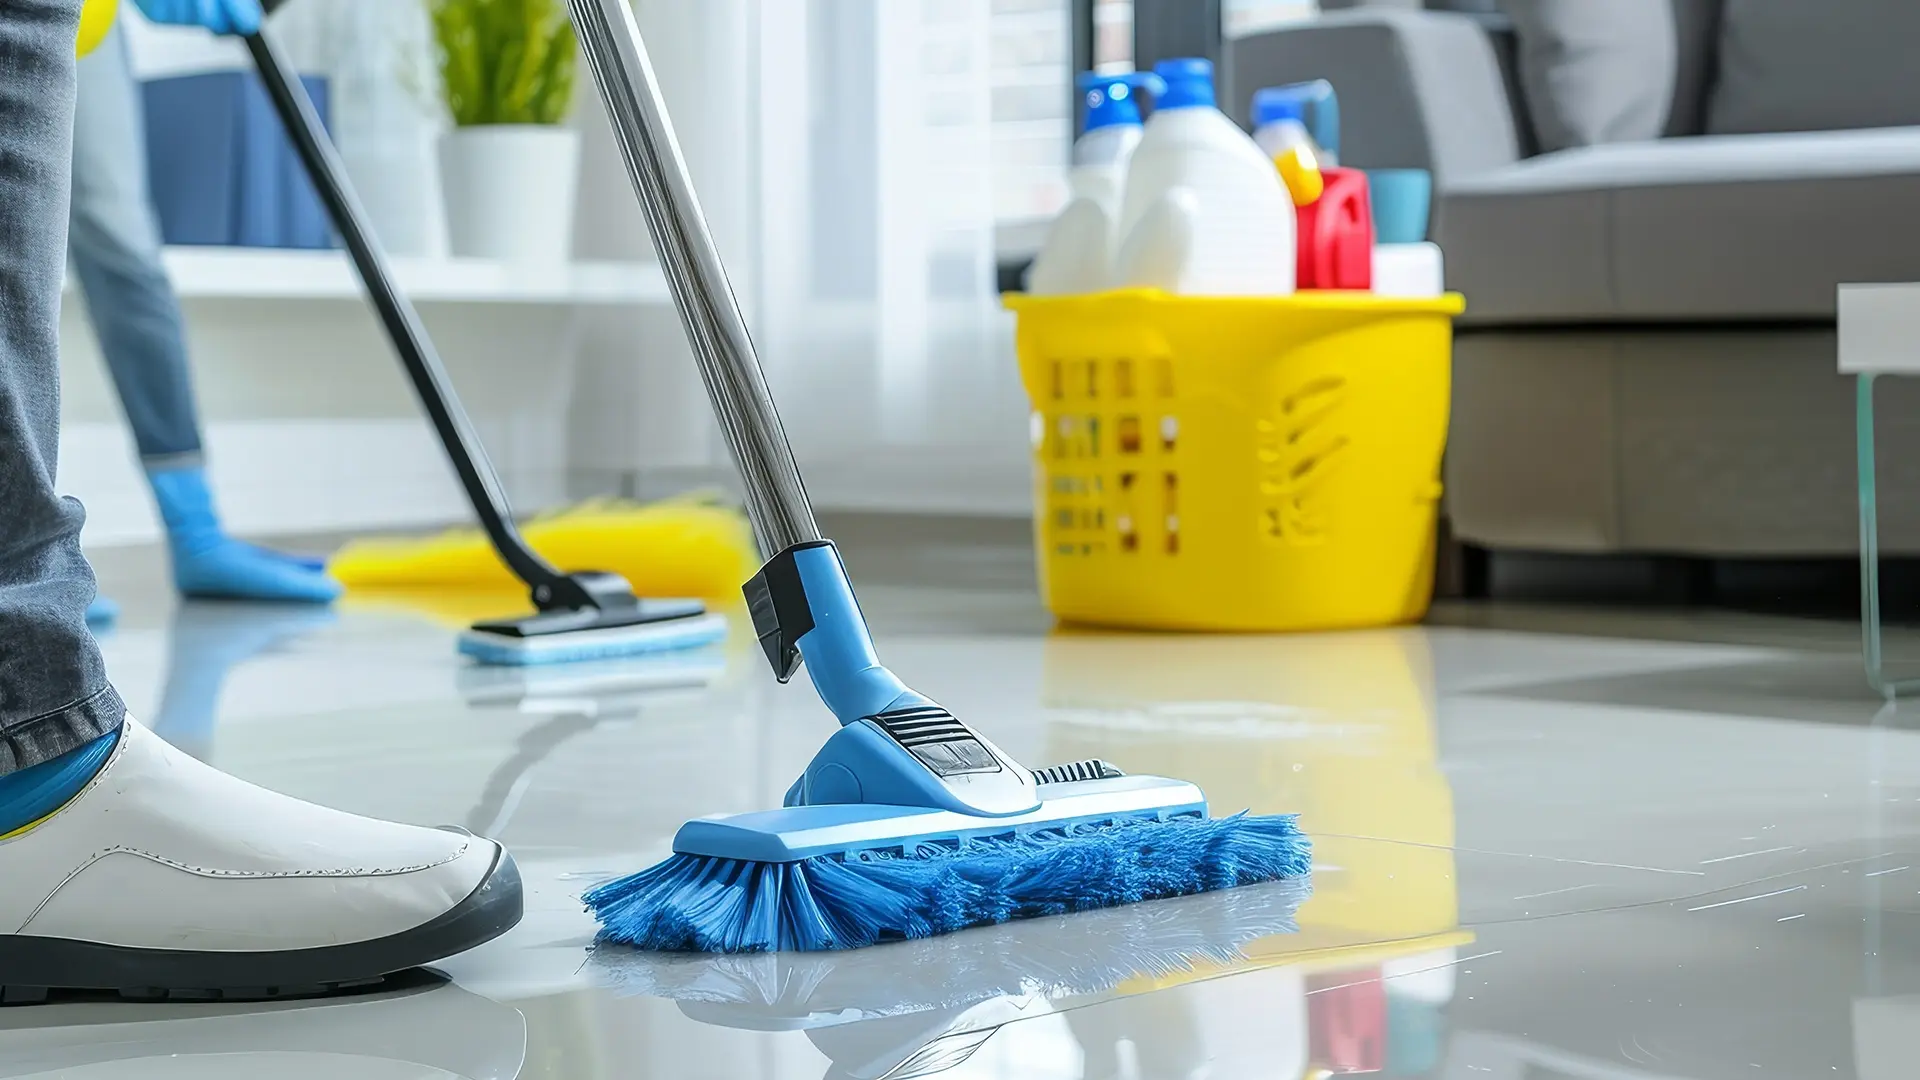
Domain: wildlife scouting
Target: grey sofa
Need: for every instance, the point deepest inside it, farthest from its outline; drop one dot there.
(1649, 204)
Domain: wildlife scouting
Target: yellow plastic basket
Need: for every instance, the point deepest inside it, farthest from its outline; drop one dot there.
(1254, 464)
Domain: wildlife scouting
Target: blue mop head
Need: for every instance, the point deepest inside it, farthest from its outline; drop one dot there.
(1082, 956)
(704, 904)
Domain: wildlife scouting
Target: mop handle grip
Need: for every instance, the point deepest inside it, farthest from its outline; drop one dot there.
(776, 496)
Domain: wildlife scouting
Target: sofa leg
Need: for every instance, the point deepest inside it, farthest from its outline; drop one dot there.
(1463, 571)
(1476, 572)
(1682, 581)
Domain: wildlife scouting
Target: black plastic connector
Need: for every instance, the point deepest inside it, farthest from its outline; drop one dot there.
(777, 600)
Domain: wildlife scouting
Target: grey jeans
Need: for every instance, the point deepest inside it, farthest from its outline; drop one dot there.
(54, 694)
(116, 255)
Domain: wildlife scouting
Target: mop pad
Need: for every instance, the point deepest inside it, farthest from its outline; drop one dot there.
(689, 546)
(1073, 957)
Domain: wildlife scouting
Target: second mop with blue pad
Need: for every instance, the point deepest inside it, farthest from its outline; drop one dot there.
(583, 615)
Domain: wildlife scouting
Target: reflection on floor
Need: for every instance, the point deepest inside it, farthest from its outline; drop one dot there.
(1675, 854)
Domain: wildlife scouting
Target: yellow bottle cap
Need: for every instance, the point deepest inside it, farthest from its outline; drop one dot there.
(1302, 173)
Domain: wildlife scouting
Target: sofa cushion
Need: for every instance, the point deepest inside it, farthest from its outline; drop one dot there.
(1727, 227)
(1595, 72)
(1816, 65)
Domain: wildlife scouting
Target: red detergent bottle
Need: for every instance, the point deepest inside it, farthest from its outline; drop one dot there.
(1336, 234)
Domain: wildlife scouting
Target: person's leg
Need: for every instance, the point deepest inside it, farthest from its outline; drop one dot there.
(127, 865)
(54, 695)
(136, 315)
(116, 256)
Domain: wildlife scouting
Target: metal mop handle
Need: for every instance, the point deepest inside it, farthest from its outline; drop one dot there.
(776, 496)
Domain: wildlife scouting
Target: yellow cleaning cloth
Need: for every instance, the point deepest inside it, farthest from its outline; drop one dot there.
(688, 547)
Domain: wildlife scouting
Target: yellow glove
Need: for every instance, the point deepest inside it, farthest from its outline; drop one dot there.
(96, 18)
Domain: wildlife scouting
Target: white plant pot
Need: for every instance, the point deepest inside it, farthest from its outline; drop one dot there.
(510, 191)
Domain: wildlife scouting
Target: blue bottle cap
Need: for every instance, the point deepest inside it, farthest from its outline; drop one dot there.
(1189, 83)
(1277, 103)
(1312, 103)
(1115, 99)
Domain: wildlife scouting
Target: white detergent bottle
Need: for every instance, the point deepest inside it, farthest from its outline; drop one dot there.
(1077, 256)
(1242, 241)
(1159, 250)
(1114, 130)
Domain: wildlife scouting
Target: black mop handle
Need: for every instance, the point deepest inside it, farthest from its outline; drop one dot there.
(550, 587)
(776, 496)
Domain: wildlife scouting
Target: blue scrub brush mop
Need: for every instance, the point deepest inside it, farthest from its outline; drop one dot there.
(908, 823)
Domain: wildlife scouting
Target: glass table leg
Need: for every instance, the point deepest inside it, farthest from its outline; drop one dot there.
(1872, 629)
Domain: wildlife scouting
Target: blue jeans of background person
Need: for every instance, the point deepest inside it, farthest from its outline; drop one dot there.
(115, 244)
(54, 695)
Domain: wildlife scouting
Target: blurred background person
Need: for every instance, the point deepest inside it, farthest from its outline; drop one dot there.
(114, 244)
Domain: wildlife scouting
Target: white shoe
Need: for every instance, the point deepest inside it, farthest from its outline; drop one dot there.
(165, 877)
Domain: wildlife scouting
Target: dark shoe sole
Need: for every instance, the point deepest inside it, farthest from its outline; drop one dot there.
(32, 969)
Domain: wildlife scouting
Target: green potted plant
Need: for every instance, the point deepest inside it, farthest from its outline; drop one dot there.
(509, 166)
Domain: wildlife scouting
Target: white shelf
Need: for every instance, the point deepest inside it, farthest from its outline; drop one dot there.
(269, 274)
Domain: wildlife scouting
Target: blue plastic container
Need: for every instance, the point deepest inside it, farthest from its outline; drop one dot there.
(221, 168)
(1402, 204)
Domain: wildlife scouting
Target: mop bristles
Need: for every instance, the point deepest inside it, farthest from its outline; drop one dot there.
(700, 904)
(1085, 954)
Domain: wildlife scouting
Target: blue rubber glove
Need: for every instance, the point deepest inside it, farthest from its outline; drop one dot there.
(209, 563)
(219, 16)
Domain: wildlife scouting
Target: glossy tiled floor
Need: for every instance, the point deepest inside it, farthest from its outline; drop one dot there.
(1539, 855)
